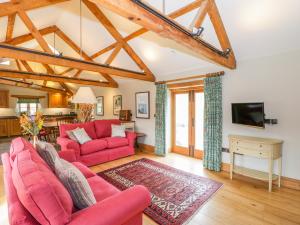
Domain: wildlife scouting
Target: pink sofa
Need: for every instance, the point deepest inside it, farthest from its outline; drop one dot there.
(36, 196)
(101, 149)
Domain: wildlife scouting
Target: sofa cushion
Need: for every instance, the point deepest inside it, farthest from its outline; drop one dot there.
(75, 183)
(88, 127)
(19, 145)
(101, 188)
(84, 170)
(115, 142)
(118, 130)
(47, 152)
(40, 191)
(93, 146)
(103, 127)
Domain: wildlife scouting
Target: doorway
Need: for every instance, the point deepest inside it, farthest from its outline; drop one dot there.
(187, 116)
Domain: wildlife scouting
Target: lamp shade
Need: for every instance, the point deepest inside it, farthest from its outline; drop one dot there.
(84, 95)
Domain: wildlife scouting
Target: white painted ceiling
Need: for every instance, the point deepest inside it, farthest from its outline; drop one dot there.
(256, 28)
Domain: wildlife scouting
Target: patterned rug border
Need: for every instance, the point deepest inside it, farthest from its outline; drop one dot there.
(148, 211)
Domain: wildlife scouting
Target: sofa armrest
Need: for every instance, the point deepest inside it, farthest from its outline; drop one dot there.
(115, 210)
(131, 136)
(67, 144)
(68, 155)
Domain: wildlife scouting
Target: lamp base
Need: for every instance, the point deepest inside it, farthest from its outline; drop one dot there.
(85, 112)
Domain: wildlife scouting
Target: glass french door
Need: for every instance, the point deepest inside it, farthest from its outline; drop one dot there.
(187, 122)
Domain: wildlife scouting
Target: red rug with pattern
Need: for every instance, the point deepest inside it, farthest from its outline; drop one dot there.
(176, 195)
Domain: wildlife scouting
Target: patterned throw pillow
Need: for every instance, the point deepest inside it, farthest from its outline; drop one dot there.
(71, 134)
(81, 135)
(75, 183)
(47, 152)
(118, 130)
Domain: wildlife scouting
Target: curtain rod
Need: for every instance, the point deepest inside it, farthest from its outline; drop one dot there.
(216, 74)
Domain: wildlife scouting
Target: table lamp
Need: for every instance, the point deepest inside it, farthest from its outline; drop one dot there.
(86, 100)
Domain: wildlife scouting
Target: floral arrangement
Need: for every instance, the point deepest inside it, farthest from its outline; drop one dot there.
(32, 124)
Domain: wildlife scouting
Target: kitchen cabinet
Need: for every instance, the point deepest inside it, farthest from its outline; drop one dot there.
(57, 100)
(4, 99)
(10, 127)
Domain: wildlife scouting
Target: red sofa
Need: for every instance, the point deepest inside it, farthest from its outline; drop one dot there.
(101, 149)
(36, 196)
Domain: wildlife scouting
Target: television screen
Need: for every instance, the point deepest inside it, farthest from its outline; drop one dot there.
(251, 114)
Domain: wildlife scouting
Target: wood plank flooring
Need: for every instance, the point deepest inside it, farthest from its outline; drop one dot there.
(238, 202)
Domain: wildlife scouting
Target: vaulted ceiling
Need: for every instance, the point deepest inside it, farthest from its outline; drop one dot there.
(255, 28)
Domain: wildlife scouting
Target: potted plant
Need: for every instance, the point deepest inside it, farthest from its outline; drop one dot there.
(31, 125)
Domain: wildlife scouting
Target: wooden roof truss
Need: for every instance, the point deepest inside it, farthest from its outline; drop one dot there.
(136, 11)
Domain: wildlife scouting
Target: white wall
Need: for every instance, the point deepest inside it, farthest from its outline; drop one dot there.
(275, 81)
(25, 91)
(128, 88)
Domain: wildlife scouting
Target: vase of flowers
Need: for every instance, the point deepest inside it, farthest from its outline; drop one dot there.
(31, 125)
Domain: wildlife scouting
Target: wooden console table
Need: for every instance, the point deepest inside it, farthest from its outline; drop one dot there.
(263, 148)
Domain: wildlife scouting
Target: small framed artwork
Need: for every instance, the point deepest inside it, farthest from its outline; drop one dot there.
(100, 106)
(142, 105)
(117, 104)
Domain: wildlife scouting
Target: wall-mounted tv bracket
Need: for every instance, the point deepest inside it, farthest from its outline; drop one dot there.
(271, 121)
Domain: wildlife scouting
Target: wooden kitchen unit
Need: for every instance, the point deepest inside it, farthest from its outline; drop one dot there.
(57, 100)
(10, 126)
(4, 100)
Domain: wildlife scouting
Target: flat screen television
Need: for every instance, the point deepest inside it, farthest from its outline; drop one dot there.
(250, 114)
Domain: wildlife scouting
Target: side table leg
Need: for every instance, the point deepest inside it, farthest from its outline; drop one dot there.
(279, 171)
(231, 164)
(270, 173)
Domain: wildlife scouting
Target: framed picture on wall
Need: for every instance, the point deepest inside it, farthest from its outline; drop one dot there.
(100, 106)
(117, 104)
(142, 105)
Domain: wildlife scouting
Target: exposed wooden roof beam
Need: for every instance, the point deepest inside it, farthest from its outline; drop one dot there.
(155, 22)
(15, 83)
(203, 9)
(8, 8)
(28, 37)
(41, 57)
(39, 76)
(118, 37)
(177, 13)
(76, 48)
(39, 38)
(10, 26)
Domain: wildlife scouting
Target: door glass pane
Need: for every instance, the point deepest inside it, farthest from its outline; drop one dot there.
(199, 120)
(182, 120)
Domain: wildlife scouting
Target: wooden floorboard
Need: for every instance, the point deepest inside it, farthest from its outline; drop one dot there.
(238, 202)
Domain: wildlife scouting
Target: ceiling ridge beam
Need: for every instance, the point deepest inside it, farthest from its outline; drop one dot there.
(177, 13)
(148, 17)
(55, 78)
(94, 9)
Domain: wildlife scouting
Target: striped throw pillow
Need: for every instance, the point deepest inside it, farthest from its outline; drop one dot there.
(76, 184)
(47, 152)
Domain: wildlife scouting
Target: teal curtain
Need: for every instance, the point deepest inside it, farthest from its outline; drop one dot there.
(160, 119)
(213, 123)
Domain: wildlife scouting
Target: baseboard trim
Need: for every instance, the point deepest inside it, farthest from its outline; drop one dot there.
(146, 148)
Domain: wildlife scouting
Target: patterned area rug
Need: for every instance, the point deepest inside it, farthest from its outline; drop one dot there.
(176, 195)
